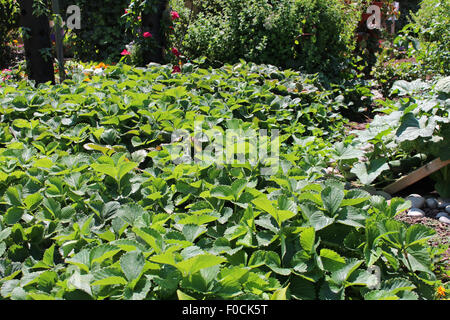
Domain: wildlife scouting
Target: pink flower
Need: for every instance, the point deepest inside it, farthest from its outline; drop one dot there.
(176, 52)
(139, 18)
(176, 69)
(147, 35)
(174, 15)
(125, 52)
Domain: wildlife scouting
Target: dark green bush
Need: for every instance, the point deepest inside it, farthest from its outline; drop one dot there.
(313, 34)
(102, 35)
(8, 21)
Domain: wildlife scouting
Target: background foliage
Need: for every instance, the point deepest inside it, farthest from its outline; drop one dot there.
(102, 34)
(312, 34)
(8, 21)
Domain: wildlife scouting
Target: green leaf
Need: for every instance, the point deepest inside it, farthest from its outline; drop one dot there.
(107, 169)
(316, 218)
(124, 168)
(197, 219)
(151, 236)
(81, 259)
(355, 197)
(279, 294)
(344, 153)
(194, 264)
(132, 264)
(368, 172)
(32, 200)
(265, 204)
(352, 216)
(13, 196)
(397, 285)
(307, 239)
(418, 234)
(48, 257)
(419, 259)
(114, 280)
(380, 295)
(342, 274)
(101, 253)
(222, 192)
(183, 296)
(237, 187)
(53, 206)
(130, 213)
(331, 260)
(332, 199)
(13, 215)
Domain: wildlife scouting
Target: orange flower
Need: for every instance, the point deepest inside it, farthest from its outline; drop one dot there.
(100, 65)
(441, 291)
(87, 80)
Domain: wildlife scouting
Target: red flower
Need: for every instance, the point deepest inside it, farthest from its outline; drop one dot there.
(147, 35)
(174, 15)
(126, 11)
(176, 52)
(125, 52)
(176, 69)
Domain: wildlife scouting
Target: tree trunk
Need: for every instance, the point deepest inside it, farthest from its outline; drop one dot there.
(151, 22)
(37, 39)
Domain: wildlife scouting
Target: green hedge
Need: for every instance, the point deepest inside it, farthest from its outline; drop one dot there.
(313, 34)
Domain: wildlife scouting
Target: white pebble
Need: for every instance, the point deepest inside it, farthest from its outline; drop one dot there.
(444, 220)
(416, 212)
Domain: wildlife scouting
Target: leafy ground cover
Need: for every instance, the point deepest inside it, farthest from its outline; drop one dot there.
(94, 205)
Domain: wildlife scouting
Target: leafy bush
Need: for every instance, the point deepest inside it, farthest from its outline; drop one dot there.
(427, 38)
(315, 35)
(8, 20)
(432, 24)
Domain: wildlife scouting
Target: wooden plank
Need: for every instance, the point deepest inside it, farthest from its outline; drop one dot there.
(416, 175)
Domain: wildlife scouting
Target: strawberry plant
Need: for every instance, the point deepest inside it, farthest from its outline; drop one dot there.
(417, 124)
(98, 202)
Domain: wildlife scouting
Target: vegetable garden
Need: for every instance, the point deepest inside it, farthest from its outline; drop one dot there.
(232, 151)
